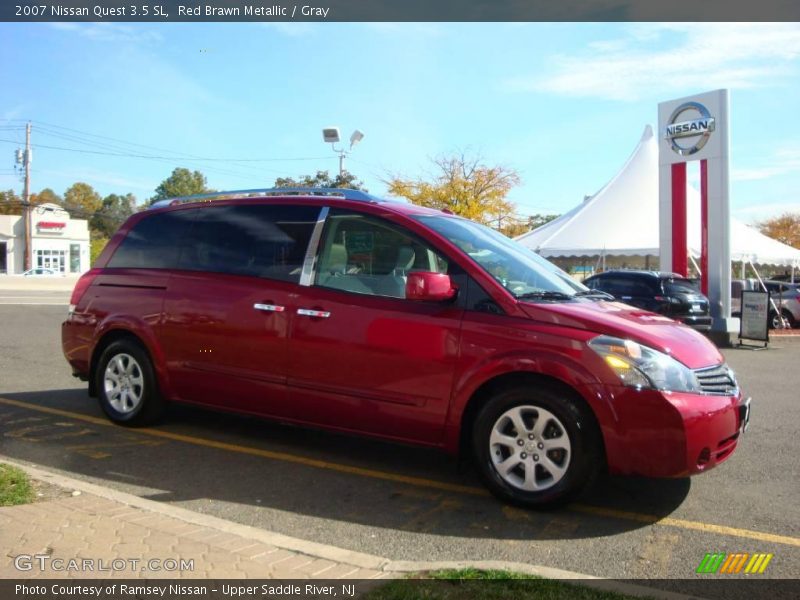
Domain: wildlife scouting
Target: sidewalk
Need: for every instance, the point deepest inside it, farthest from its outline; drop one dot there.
(44, 284)
(104, 525)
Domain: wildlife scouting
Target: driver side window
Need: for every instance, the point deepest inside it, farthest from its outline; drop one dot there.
(366, 255)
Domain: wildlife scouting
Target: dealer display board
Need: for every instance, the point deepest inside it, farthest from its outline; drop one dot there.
(754, 324)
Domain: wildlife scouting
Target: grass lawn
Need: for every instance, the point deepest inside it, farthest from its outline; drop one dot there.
(15, 487)
(484, 585)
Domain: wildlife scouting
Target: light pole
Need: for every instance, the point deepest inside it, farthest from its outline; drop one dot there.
(330, 135)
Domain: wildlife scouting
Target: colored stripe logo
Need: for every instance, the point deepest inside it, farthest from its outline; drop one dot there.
(738, 562)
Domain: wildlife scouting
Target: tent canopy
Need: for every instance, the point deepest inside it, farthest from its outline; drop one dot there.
(622, 219)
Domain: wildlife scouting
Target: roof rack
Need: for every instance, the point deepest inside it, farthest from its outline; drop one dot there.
(346, 193)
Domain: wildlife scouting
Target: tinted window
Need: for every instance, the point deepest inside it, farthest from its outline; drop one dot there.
(366, 255)
(154, 241)
(623, 285)
(637, 286)
(261, 241)
(679, 286)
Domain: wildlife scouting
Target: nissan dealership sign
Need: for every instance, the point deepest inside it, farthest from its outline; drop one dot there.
(688, 128)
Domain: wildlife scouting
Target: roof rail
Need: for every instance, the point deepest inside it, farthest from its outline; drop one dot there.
(346, 193)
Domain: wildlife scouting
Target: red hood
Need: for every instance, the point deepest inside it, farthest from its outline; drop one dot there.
(688, 346)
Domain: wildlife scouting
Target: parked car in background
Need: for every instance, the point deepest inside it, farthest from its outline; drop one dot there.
(737, 287)
(668, 294)
(42, 272)
(787, 299)
(784, 295)
(340, 310)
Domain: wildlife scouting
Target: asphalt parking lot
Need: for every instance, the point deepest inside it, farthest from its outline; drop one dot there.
(410, 503)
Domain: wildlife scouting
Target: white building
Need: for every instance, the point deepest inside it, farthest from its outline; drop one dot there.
(58, 242)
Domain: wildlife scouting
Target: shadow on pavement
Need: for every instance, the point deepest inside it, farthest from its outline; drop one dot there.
(239, 482)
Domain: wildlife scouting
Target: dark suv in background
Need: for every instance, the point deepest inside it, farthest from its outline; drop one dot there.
(668, 294)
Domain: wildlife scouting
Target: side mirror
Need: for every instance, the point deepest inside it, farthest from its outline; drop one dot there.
(433, 287)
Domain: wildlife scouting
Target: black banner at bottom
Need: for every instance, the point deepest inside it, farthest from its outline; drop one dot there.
(408, 589)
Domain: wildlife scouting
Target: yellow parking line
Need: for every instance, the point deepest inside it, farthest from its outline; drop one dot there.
(416, 481)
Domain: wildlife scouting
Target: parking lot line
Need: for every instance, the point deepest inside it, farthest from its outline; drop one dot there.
(415, 481)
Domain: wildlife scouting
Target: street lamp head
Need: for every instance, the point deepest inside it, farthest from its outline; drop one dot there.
(330, 134)
(356, 137)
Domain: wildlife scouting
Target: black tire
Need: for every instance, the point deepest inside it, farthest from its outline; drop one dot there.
(572, 419)
(141, 383)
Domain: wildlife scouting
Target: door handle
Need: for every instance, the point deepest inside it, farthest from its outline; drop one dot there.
(318, 314)
(269, 307)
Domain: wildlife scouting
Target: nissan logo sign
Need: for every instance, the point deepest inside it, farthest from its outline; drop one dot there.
(688, 136)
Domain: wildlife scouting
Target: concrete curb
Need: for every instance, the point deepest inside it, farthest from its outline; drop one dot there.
(332, 553)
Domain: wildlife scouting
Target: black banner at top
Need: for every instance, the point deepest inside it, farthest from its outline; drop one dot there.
(398, 10)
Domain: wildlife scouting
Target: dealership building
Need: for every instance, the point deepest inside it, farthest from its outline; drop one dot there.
(58, 242)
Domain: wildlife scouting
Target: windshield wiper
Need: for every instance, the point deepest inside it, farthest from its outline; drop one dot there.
(595, 294)
(544, 295)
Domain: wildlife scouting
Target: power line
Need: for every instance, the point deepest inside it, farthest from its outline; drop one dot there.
(180, 155)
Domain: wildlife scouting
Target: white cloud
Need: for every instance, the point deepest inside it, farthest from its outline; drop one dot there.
(652, 59)
(784, 161)
(760, 212)
(110, 32)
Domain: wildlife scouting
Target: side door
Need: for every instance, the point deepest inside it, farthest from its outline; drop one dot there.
(362, 356)
(227, 310)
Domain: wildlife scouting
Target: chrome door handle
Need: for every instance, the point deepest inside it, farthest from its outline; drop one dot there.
(320, 314)
(269, 307)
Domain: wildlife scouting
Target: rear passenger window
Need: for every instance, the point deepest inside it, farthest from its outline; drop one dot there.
(153, 243)
(260, 241)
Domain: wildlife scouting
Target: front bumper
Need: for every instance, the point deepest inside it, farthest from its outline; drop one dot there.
(669, 434)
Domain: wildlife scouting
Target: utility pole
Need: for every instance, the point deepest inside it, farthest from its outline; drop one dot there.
(26, 198)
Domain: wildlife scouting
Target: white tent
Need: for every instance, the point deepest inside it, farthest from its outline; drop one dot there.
(622, 219)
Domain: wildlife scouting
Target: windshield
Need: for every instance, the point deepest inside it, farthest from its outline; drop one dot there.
(518, 269)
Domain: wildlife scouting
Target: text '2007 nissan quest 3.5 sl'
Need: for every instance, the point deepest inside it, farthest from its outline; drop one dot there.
(335, 309)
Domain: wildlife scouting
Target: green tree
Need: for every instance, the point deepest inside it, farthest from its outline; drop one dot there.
(538, 220)
(182, 182)
(10, 203)
(96, 246)
(81, 201)
(112, 214)
(322, 179)
(464, 186)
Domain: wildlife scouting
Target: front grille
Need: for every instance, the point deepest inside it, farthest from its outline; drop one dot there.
(717, 380)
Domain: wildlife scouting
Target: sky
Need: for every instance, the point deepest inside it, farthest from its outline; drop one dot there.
(562, 104)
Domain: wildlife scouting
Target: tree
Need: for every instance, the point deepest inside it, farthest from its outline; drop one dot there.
(322, 180)
(10, 203)
(81, 201)
(515, 226)
(112, 214)
(182, 182)
(464, 186)
(537, 220)
(785, 228)
(47, 196)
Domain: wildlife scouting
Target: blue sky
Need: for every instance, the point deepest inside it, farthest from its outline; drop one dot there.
(563, 104)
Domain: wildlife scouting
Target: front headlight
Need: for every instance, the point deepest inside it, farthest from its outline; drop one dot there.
(642, 367)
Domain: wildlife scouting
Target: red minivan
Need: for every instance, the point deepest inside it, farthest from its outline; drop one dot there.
(335, 309)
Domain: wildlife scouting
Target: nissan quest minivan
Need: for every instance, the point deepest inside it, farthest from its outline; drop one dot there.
(338, 310)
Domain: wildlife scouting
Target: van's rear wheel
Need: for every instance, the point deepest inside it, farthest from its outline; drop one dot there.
(536, 447)
(126, 384)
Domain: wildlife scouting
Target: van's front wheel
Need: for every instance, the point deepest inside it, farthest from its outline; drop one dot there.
(126, 384)
(535, 447)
